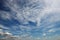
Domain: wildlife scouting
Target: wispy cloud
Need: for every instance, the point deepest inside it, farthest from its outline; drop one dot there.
(42, 13)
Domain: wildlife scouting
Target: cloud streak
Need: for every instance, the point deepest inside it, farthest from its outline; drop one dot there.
(30, 16)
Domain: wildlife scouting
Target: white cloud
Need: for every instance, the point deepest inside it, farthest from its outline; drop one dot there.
(5, 15)
(3, 27)
(44, 34)
(51, 30)
(51, 7)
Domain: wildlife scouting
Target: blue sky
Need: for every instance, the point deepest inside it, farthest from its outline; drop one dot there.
(31, 18)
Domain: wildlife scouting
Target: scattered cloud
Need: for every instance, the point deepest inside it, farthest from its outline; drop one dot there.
(43, 15)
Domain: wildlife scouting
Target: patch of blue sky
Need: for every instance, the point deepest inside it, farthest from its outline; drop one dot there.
(57, 24)
(3, 7)
(8, 22)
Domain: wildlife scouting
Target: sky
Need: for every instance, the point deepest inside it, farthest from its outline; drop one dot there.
(31, 19)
